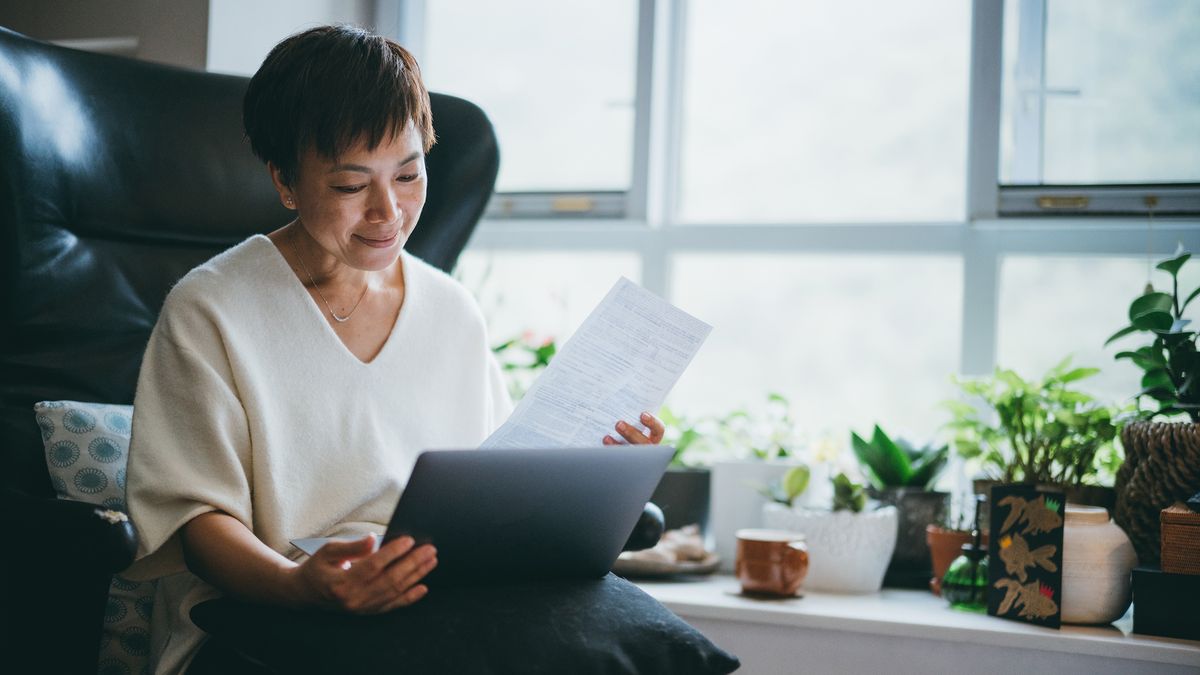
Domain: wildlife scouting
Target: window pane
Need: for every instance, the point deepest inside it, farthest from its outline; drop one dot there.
(1120, 100)
(556, 78)
(850, 341)
(1054, 306)
(825, 111)
(545, 294)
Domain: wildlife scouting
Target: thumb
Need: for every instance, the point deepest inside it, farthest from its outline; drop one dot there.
(348, 550)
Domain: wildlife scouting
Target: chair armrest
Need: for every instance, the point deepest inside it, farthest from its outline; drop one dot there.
(58, 561)
(62, 529)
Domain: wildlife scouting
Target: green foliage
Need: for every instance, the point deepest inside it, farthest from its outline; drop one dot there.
(522, 358)
(767, 433)
(898, 463)
(789, 487)
(1035, 432)
(1170, 364)
(848, 495)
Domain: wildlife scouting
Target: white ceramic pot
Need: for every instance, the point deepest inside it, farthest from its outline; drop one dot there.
(1097, 561)
(736, 504)
(847, 552)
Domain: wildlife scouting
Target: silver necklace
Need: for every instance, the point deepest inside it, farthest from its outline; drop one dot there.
(339, 319)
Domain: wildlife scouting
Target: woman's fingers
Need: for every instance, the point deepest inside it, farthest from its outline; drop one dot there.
(402, 574)
(656, 427)
(340, 552)
(387, 554)
(652, 436)
(407, 598)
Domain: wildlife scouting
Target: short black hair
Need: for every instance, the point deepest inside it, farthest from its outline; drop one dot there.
(328, 88)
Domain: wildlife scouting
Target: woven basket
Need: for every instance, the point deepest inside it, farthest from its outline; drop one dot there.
(1180, 540)
(1162, 466)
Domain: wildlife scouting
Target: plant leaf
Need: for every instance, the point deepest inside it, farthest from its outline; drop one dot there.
(1153, 320)
(896, 470)
(1172, 265)
(927, 467)
(1077, 374)
(1190, 298)
(869, 457)
(1150, 302)
(1122, 333)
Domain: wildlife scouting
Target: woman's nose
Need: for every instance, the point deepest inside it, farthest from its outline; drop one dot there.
(383, 207)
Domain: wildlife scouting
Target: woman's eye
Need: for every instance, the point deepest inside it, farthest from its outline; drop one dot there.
(408, 178)
(349, 189)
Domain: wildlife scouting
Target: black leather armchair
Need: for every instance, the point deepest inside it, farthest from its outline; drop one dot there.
(116, 178)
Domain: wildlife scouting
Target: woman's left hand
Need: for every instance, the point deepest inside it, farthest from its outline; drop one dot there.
(652, 435)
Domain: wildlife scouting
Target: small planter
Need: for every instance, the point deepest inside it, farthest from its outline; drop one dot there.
(944, 546)
(848, 552)
(911, 566)
(682, 494)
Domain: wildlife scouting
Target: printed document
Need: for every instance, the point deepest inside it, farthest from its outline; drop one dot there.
(622, 362)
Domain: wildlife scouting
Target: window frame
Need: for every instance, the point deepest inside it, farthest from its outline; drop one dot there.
(993, 226)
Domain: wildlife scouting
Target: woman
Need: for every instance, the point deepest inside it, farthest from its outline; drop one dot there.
(291, 381)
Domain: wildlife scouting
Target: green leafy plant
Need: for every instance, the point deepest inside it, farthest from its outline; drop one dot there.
(893, 464)
(848, 495)
(1170, 364)
(788, 487)
(767, 433)
(1034, 431)
(522, 358)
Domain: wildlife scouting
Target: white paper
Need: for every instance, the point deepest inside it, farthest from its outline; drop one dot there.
(622, 362)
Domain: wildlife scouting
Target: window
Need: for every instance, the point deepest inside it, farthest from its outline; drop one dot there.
(812, 187)
(849, 340)
(832, 112)
(557, 80)
(1096, 93)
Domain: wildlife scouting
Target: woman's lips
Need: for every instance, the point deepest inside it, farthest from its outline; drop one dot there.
(378, 243)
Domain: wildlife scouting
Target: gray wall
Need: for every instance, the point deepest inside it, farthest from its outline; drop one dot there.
(174, 32)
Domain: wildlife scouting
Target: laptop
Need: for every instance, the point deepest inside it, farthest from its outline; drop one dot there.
(517, 515)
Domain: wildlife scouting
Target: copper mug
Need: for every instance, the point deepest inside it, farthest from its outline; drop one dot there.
(771, 562)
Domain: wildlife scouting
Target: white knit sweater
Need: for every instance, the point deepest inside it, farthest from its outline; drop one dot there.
(249, 403)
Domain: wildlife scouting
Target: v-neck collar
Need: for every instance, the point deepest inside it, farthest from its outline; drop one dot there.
(314, 309)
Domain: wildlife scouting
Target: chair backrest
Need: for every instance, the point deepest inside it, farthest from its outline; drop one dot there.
(116, 178)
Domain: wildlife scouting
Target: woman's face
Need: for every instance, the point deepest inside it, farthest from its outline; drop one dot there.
(362, 207)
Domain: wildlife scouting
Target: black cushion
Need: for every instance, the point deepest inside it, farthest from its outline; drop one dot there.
(595, 626)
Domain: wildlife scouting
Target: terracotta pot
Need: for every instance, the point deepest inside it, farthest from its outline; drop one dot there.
(1162, 466)
(944, 546)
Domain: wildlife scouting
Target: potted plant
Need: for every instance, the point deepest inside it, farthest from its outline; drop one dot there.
(1162, 440)
(1042, 432)
(945, 539)
(849, 544)
(902, 475)
(683, 493)
(748, 448)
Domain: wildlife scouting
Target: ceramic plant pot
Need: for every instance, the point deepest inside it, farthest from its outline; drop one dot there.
(944, 546)
(848, 552)
(911, 566)
(683, 496)
(1097, 561)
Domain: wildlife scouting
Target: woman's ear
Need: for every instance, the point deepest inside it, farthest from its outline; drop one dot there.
(286, 195)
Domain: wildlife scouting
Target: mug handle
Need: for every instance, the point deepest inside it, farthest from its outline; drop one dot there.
(795, 564)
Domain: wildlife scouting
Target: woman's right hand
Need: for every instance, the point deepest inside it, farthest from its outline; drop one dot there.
(351, 576)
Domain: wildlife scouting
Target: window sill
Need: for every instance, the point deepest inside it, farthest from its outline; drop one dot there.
(940, 636)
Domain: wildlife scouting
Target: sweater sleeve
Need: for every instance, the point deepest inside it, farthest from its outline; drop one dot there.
(190, 446)
(501, 400)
